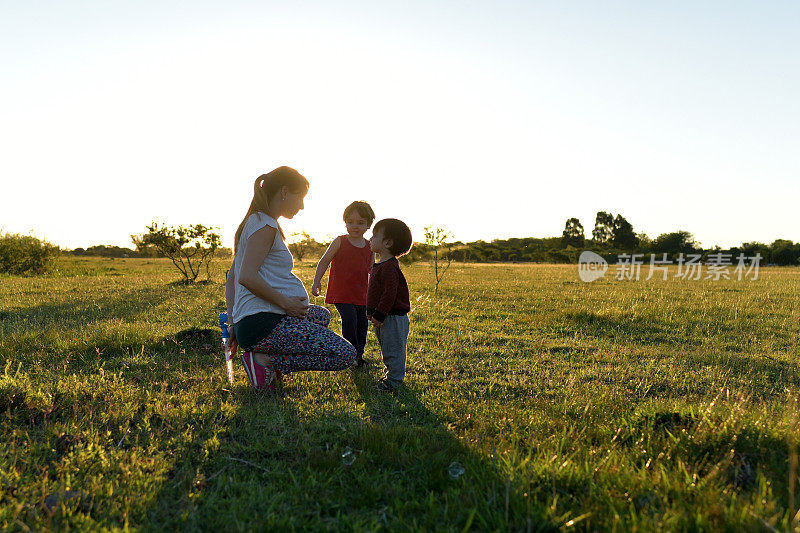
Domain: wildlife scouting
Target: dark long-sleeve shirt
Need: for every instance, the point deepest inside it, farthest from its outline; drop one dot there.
(387, 293)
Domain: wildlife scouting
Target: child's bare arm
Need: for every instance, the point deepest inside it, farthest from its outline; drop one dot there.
(323, 265)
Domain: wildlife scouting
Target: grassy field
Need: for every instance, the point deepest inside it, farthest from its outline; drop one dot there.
(650, 405)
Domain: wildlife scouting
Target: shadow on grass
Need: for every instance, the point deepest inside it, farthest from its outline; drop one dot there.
(84, 333)
(76, 313)
(271, 466)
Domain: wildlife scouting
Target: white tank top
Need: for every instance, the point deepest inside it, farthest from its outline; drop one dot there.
(276, 271)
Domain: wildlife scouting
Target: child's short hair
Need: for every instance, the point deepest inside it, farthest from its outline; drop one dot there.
(398, 232)
(362, 208)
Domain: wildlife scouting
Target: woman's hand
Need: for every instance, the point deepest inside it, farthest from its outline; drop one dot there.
(315, 288)
(296, 306)
(375, 322)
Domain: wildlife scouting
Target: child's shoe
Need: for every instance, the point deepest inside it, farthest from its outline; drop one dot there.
(261, 377)
(384, 386)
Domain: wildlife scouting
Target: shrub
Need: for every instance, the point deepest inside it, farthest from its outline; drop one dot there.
(304, 244)
(24, 254)
(189, 248)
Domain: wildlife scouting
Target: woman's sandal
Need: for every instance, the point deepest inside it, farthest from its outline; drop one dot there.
(262, 377)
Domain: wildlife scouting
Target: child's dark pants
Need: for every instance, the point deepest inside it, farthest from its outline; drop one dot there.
(393, 336)
(354, 325)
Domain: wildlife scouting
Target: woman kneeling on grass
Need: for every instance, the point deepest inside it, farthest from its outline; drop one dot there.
(272, 320)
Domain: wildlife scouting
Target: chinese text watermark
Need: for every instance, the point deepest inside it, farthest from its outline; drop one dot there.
(717, 266)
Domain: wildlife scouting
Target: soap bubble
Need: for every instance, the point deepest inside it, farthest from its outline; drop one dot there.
(348, 456)
(456, 470)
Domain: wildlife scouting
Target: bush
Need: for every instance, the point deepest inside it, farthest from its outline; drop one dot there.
(189, 248)
(304, 245)
(23, 254)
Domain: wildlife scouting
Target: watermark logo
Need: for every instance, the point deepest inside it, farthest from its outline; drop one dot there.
(591, 266)
(716, 266)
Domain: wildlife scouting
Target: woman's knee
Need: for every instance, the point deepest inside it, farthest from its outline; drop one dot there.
(337, 348)
(346, 352)
(319, 315)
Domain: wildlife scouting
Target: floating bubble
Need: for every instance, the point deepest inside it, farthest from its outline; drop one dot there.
(456, 470)
(348, 457)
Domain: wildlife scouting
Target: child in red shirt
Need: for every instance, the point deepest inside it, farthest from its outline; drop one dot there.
(351, 260)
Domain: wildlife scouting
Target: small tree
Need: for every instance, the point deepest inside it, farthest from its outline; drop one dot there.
(302, 245)
(189, 248)
(437, 238)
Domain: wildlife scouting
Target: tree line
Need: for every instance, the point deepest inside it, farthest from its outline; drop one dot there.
(191, 247)
(613, 236)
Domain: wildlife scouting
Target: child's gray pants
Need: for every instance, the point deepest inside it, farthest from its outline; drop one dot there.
(392, 337)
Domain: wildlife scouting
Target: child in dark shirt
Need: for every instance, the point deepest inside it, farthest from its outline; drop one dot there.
(388, 301)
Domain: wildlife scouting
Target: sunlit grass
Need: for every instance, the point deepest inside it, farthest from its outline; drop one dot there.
(610, 405)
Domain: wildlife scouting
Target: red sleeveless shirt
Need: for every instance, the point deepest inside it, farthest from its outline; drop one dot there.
(349, 275)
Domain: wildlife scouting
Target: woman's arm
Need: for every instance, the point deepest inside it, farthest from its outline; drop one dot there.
(230, 290)
(256, 249)
(323, 265)
(230, 300)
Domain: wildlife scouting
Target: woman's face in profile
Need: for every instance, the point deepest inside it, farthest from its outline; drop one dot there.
(293, 203)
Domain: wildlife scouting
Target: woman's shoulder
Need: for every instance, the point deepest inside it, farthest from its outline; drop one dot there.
(259, 219)
(256, 222)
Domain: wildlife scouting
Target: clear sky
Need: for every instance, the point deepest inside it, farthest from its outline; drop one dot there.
(492, 119)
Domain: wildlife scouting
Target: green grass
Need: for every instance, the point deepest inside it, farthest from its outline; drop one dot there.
(605, 406)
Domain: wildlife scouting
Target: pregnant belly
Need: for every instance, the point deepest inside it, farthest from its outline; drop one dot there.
(296, 288)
